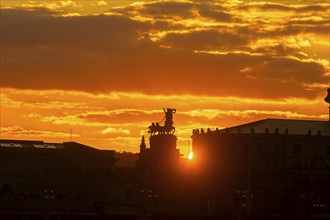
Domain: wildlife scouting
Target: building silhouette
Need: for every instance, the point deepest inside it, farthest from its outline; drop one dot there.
(158, 167)
(159, 164)
(47, 179)
(159, 161)
(271, 167)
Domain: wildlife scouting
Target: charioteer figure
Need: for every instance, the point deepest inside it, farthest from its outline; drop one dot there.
(327, 99)
(169, 116)
(168, 127)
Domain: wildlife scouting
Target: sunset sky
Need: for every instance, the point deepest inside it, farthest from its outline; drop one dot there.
(106, 69)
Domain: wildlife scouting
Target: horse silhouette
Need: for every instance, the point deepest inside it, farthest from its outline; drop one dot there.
(157, 129)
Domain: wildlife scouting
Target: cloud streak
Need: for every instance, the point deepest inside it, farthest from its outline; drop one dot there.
(50, 45)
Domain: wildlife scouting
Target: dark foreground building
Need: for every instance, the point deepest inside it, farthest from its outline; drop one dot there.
(159, 163)
(49, 179)
(272, 167)
(159, 174)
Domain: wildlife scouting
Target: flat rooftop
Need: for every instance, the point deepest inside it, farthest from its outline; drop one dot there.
(298, 127)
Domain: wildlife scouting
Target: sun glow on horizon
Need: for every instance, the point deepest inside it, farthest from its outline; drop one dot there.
(191, 155)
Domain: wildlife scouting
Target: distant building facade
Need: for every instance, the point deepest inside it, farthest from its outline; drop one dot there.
(270, 167)
(38, 178)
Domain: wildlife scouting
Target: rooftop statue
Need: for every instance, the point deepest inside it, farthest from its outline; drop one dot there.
(168, 127)
(327, 98)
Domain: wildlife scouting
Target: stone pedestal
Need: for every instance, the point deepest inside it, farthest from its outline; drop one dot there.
(160, 162)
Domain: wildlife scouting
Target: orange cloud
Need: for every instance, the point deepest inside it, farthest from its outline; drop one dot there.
(103, 51)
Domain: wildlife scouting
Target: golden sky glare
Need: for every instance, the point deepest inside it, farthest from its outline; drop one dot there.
(105, 69)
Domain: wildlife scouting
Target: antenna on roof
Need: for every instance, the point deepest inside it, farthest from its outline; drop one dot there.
(70, 135)
(327, 99)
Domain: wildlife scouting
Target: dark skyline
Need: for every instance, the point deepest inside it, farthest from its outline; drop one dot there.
(267, 169)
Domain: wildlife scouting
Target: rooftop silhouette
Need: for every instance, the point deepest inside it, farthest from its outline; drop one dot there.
(271, 168)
